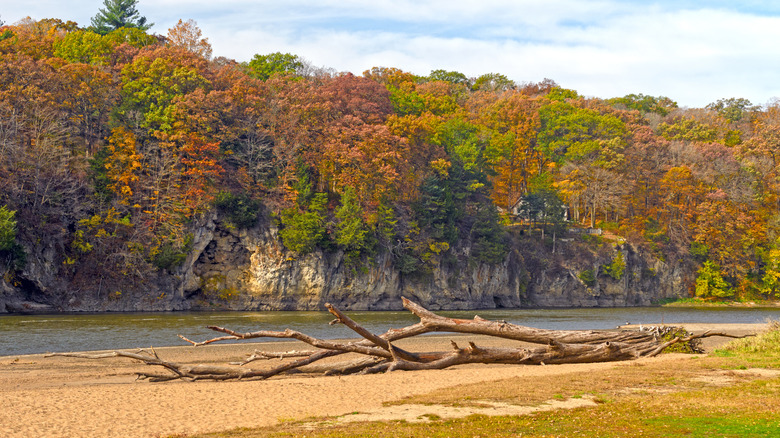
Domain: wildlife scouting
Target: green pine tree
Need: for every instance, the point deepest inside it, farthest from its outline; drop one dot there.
(7, 229)
(118, 14)
(352, 234)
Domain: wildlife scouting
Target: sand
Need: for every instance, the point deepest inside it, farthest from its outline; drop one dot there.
(69, 397)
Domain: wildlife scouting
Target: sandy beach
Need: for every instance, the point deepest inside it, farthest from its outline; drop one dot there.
(70, 397)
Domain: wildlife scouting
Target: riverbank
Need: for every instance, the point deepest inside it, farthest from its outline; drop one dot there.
(702, 303)
(68, 397)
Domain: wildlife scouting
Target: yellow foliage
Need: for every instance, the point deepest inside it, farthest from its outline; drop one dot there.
(438, 247)
(441, 167)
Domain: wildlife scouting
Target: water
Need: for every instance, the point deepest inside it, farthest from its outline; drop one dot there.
(26, 334)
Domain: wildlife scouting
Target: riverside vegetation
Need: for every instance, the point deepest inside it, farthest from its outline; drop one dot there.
(125, 154)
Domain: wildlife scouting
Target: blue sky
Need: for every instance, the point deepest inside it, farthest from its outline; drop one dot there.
(694, 52)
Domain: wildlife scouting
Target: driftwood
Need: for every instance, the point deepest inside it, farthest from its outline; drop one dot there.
(379, 354)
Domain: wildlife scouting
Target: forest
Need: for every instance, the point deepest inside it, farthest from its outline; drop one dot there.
(115, 141)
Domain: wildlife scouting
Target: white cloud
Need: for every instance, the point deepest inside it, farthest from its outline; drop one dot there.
(682, 49)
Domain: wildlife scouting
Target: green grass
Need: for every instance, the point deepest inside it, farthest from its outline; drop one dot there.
(706, 427)
(760, 351)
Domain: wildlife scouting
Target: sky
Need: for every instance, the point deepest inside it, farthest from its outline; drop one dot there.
(694, 52)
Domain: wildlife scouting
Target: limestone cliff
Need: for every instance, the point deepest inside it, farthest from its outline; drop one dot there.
(251, 270)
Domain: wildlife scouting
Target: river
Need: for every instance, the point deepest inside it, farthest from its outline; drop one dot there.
(31, 334)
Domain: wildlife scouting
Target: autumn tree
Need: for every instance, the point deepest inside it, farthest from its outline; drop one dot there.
(680, 192)
(594, 187)
(389, 76)
(512, 156)
(660, 105)
(265, 66)
(761, 153)
(84, 47)
(454, 77)
(730, 235)
(35, 38)
(732, 109)
(89, 95)
(186, 35)
(493, 82)
(121, 166)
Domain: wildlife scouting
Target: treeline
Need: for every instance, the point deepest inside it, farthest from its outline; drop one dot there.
(114, 143)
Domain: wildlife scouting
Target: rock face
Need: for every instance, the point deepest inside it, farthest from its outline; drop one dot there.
(646, 281)
(251, 270)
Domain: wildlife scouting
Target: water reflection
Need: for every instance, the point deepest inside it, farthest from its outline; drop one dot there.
(25, 334)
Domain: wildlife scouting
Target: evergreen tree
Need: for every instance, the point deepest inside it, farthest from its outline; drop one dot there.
(352, 234)
(118, 14)
(7, 229)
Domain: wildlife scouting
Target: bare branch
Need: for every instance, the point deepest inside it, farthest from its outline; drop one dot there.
(381, 355)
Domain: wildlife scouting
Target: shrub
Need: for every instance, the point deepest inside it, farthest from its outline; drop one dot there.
(616, 268)
(690, 347)
(241, 210)
(169, 255)
(588, 277)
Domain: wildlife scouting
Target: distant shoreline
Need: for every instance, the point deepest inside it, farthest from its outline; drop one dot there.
(699, 303)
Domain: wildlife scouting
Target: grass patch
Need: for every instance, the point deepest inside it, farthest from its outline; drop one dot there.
(767, 343)
(759, 351)
(705, 427)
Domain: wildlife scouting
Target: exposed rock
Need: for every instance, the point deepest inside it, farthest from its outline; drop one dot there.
(251, 270)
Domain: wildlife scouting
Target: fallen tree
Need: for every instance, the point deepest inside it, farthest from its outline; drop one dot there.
(379, 354)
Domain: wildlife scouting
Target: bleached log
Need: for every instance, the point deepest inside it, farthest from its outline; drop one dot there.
(379, 354)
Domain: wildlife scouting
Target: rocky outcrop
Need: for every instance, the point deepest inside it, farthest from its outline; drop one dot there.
(646, 281)
(251, 270)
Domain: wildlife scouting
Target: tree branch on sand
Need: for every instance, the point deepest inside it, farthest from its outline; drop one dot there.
(377, 353)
